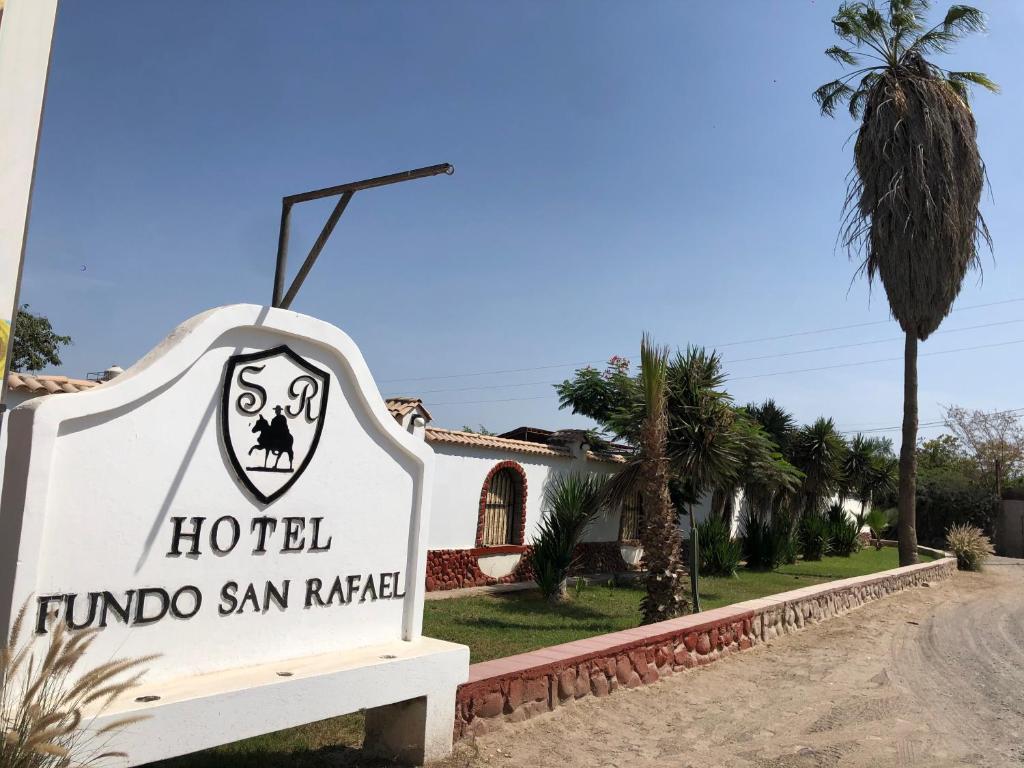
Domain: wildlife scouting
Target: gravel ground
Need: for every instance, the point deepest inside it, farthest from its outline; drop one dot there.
(931, 677)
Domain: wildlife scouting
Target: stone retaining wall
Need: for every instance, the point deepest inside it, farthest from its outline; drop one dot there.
(518, 687)
(459, 568)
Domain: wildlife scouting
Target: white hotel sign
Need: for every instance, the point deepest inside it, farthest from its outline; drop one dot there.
(241, 503)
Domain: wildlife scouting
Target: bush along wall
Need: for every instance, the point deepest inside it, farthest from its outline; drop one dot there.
(944, 502)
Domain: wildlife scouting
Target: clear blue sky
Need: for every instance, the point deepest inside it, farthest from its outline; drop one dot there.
(620, 167)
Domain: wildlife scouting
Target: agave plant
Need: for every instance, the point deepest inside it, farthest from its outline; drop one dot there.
(877, 520)
(571, 501)
(814, 535)
(43, 701)
(912, 214)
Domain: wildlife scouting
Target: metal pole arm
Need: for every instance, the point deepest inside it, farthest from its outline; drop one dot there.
(284, 299)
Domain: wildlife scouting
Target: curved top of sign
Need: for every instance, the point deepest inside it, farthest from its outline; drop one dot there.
(191, 338)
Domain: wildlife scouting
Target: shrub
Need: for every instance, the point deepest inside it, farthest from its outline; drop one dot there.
(815, 536)
(767, 544)
(844, 537)
(970, 545)
(719, 551)
(946, 501)
(836, 514)
(572, 501)
(878, 522)
(41, 701)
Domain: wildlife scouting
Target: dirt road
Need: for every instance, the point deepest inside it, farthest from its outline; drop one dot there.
(932, 677)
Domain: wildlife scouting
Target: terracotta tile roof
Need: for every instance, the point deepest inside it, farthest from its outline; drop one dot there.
(400, 407)
(612, 458)
(474, 440)
(46, 385)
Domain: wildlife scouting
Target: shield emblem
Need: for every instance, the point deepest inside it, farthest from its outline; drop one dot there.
(272, 414)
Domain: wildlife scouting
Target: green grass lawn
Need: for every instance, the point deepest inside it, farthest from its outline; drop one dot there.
(514, 622)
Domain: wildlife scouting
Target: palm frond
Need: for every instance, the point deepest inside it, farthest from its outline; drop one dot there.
(830, 95)
(960, 20)
(841, 55)
(873, 20)
(964, 19)
(653, 371)
(859, 97)
(961, 80)
(623, 485)
(905, 17)
(849, 22)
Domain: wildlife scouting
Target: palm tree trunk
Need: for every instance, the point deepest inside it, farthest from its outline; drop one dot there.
(561, 594)
(907, 528)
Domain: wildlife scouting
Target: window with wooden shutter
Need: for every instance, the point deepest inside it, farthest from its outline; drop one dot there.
(632, 518)
(501, 509)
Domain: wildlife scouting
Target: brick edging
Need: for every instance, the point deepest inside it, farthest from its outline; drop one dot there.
(517, 687)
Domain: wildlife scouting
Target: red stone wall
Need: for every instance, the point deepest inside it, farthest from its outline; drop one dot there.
(457, 568)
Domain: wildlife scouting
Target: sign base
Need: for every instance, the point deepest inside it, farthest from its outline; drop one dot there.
(407, 688)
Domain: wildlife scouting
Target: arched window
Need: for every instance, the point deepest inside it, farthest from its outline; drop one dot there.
(631, 518)
(502, 506)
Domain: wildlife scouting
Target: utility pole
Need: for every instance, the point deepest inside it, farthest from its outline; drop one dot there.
(26, 37)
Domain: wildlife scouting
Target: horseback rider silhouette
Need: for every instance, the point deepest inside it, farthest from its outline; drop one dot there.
(279, 424)
(274, 438)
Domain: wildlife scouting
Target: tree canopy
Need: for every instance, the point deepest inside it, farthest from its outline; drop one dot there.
(713, 445)
(36, 344)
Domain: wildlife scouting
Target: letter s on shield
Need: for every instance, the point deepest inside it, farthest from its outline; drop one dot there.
(273, 406)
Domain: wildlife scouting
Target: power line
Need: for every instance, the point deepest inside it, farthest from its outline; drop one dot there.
(776, 373)
(933, 423)
(869, 343)
(503, 400)
(729, 362)
(713, 346)
(878, 360)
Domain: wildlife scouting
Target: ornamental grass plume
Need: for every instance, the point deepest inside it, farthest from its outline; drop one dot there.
(42, 700)
(970, 545)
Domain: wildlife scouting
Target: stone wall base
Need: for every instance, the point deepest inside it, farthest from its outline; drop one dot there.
(458, 568)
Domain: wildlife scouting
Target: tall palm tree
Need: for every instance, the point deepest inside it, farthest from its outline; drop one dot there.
(665, 598)
(912, 205)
